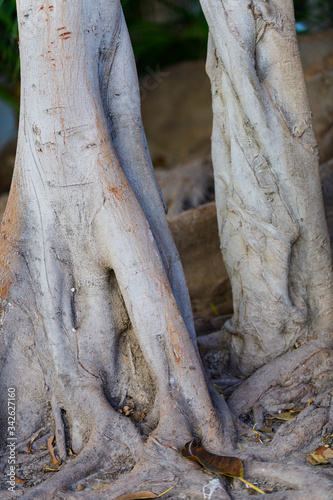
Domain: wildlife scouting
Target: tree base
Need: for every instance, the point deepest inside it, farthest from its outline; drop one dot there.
(293, 380)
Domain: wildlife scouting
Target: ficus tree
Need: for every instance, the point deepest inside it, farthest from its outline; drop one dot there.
(95, 312)
(272, 223)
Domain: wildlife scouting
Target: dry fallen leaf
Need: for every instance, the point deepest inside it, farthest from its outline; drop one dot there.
(328, 437)
(257, 433)
(228, 466)
(99, 486)
(80, 487)
(320, 450)
(266, 430)
(328, 453)
(28, 450)
(19, 481)
(284, 415)
(52, 468)
(138, 495)
(51, 450)
(315, 459)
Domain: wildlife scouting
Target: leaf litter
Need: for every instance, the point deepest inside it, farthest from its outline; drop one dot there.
(322, 455)
(227, 466)
(138, 495)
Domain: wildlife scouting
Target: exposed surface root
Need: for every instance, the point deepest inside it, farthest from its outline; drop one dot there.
(299, 374)
(158, 469)
(303, 482)
(103, 445)
(89, 461)
(313, 421)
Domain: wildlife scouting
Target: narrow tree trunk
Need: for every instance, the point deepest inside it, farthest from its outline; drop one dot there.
(271, 219)
(94, 305)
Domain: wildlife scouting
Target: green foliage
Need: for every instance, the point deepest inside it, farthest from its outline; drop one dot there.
(9, 55)
(9, 59)
(182, 36)
(314, 14)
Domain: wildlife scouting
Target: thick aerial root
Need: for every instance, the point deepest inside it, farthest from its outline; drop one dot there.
(296, 377)
(312, 422)
(303, 482)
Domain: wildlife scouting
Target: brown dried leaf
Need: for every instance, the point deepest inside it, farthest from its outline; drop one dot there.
(315, 459)
(328, 453)
(80, 487)
(137, 496)
(52, 468)
(320, 450)
(19, 481)
(257, 433)
(228, 466)
(28, 450)
(51, 450)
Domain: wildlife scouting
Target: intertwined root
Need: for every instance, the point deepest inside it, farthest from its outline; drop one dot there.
(158, 468)
(302, 378)
(99, 450)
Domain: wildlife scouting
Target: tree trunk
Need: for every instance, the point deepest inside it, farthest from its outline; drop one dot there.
(272, 225)
(95, 311)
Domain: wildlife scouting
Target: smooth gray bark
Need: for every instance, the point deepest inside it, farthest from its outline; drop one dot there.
(272, 225)
(94, 304)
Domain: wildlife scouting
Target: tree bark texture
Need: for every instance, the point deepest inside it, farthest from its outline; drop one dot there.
(272, 225)
(94, 304)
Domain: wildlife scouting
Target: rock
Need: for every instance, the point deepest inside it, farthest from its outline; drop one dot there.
(196, 236)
